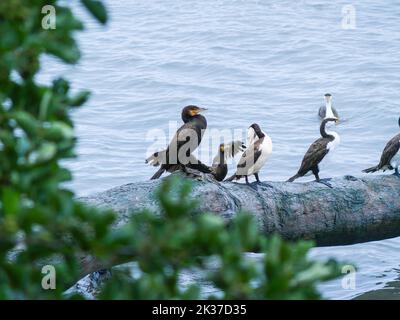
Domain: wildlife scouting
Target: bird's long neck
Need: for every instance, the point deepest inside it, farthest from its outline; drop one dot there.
(185, 117)
(198, 118)
(251, 137)
(329, 111)
(221, 157)
(325, 133)
(201, 120)
(260, 135)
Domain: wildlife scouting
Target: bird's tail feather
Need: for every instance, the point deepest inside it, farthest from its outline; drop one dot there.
(372, 169)
(293, 178)
(200, 167)
(158, 174)
(231, 178)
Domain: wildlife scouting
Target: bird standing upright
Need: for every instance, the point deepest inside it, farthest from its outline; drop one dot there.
(253, 159)
(328, 111)
(317, 152)
(188, 137)
(225, 151)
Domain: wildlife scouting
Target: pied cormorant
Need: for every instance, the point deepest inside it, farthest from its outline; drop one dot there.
(328, 111)
(317, 152)
(258, 151)
(390, 158)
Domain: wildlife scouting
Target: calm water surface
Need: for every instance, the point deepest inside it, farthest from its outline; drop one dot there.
(247, 61)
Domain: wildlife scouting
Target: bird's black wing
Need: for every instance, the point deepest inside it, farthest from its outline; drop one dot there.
(249, 158)
(185, 141)
(322, 111)
(315, 153)
(391, 148)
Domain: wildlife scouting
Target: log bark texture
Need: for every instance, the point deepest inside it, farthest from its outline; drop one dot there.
(355, 210)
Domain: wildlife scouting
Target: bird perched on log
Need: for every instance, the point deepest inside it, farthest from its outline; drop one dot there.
(390, 158)
(259, 149)
(317, 151)
(225, 151)
(188, 137)
(328, 111)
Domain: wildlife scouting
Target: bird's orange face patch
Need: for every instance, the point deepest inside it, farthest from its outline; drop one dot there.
(194, 111)
(222, 148)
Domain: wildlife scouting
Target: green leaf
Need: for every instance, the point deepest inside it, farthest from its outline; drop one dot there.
(10, 201)
(97, 9)
(59, 131)
(26, 121)
(44, 105)
(79, 99)
(46, 152)
(68, 53)
(61, 86)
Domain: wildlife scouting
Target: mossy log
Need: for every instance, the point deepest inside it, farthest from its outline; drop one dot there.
(354, 210)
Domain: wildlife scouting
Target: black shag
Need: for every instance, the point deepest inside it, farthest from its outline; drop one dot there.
(225, 151)
(178, 155)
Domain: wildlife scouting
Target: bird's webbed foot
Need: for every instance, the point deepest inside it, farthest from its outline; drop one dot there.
(350, 178)
(253, 185)
(325, 182)
(259, 182)
(266, 184)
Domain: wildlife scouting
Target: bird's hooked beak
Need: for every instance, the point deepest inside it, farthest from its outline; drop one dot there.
(195, 112)
(337, 121)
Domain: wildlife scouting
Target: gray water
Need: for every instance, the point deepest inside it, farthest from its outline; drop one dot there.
(249, 61)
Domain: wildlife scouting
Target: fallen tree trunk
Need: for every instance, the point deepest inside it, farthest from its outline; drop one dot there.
(354, 210)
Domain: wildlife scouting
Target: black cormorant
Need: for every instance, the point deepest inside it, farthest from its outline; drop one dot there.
(178, 155)
(225, 151)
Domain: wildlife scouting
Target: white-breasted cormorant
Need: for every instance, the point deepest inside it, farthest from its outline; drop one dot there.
(390, 158)
(258, 151)
(225, 151)
(317, 152)
(328, 111)
(179, 152)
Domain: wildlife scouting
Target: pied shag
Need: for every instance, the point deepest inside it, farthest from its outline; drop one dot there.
(317, 151)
